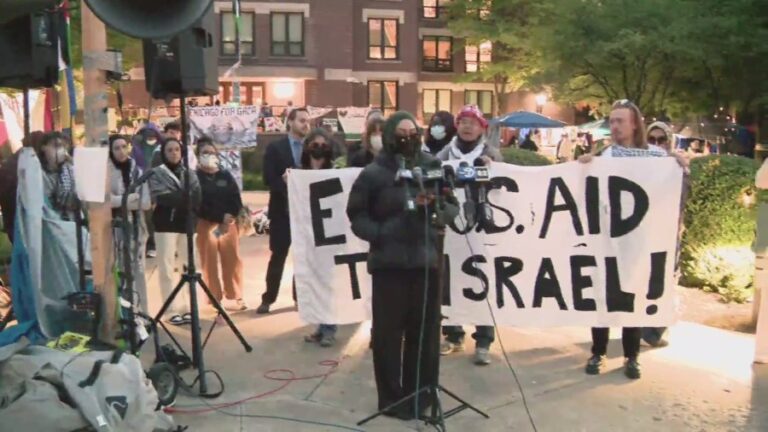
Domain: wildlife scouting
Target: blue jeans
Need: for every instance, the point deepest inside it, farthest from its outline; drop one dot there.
(327, 329)
(483, 336)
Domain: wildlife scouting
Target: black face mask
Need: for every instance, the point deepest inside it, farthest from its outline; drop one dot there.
(317, 153)
(408, 145)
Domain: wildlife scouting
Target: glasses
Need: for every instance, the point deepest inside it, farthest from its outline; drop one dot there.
(318, 144)
(657, 140)
(622, 103)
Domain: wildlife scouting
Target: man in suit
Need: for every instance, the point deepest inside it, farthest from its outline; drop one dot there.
(280, 156)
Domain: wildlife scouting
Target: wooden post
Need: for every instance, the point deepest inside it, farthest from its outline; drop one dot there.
(96, 132)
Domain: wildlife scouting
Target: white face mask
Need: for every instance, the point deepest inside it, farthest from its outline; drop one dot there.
(209, 161)
(437, 132)
(151, 141)
(376, 143)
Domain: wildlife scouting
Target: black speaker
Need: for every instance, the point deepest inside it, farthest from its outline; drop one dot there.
(186, 65)
(29, 51)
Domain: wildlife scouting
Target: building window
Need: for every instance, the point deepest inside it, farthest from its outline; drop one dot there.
(436, 100)
(383, 95)
(437, 54)
(287, 34)
(477, 57)
(482, 98)
(382, 39)
(433, 8)
(228, 36)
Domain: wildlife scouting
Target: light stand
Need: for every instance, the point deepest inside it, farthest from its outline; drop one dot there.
(432, 391)
(192, 278)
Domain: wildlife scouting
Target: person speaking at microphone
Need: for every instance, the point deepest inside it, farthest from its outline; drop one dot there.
(468, 145)
(384, 212)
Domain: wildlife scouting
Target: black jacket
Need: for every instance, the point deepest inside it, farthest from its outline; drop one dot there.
(376, 208)
(167, 190)
(221, 196)
(278, 157)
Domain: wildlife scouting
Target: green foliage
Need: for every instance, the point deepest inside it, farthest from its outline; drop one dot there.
(517, 156)
(253, 181)
(719, 230)
(5, 248)
(130, 47)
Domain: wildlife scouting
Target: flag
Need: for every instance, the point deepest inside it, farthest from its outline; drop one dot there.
(67, 100)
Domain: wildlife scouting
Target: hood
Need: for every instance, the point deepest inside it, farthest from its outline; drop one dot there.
(388, 135)
(663, 126)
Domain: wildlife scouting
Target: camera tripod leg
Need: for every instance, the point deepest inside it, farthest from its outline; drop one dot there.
(217, 305)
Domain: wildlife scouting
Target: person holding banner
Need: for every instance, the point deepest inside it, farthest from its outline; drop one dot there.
(402, 261)
(170, 219)
(468, 145)
(279, 157)
(370, 145)
(318, 154)
(217, 232)
(629, 140)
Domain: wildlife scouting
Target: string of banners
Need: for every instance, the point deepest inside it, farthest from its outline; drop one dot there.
(570, 245)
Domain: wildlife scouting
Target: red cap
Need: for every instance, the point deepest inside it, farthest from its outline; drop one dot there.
(474, 112)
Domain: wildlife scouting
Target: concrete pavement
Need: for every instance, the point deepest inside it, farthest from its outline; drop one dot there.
(704, 381)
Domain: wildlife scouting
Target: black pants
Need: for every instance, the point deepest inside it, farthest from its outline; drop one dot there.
(150, 230)
(279, 244)
(483, 335)
(398, 300)
(630, 338)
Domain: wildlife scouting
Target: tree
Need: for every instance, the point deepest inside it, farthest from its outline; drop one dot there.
(129, 46)
(599, 51)
(506, 24)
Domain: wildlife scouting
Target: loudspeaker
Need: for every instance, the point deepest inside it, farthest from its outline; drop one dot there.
(149, 19)
(29, 51)
(186, 65)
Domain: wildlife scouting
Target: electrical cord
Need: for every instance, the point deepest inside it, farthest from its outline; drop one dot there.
(423, 312)
(501, 342)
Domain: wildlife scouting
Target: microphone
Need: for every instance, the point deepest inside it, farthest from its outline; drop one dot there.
(418, 175)
(469, 207)
(449, 174)
(482, 194)
(403, 173)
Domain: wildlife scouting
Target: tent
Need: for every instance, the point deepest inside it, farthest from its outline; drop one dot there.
(527, 120)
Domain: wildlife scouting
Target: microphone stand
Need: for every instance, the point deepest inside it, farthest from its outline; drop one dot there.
(439, 219)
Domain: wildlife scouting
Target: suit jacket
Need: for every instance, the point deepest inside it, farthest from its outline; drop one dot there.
(277, 159)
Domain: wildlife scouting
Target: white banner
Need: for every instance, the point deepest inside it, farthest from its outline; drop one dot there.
(571, 244)
(229, 127)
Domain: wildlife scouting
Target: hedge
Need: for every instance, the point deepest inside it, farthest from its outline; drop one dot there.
(719, 227)
(516, 156)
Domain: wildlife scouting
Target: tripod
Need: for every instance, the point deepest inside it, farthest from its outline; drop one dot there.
(192, 278)
(432, 391)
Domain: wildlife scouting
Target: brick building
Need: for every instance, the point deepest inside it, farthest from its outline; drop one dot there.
(392, 54)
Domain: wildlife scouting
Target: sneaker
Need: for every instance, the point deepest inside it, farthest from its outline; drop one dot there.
(187, 317)
(594, 364)
(448, 347)
(177, 320)
(263, 308)
(327, 341)
(482, 357)
(238, 305)
(151, 253)
(632, 368)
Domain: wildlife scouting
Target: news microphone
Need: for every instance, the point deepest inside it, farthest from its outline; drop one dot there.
(482, 176)
(403, 173)
(469, 207)
(449, 174)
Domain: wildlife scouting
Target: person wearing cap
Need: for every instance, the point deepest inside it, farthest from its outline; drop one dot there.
(468, 145)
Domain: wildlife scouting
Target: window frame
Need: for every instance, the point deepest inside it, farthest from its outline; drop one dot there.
(287, 42)
(486, 113)
(428, 115)
(382, 48)
(435, 67)
(222, 42)
(382, 93)
(477, 60)
(440, 9)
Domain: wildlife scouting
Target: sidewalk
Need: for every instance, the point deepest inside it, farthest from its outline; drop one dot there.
(704, 380)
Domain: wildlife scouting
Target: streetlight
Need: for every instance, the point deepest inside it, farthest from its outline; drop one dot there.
(541, 100)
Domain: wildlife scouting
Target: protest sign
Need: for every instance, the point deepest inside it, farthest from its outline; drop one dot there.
(229, 127)
(571, 244)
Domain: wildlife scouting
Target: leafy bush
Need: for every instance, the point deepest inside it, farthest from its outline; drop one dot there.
(253, 181)
(516, 156)
(716, 250)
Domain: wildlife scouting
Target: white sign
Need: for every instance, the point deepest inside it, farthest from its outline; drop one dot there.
(91, 173)
(571, 244)
(229, 127)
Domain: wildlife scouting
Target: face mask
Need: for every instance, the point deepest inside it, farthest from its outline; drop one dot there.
(408, 146)
(209, 161)
(317, 153)
(61, 155)
(376, 143)
(437, 132)
(151, 141)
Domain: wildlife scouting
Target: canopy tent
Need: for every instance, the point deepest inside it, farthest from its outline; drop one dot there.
(528, 120)
(599, 129)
